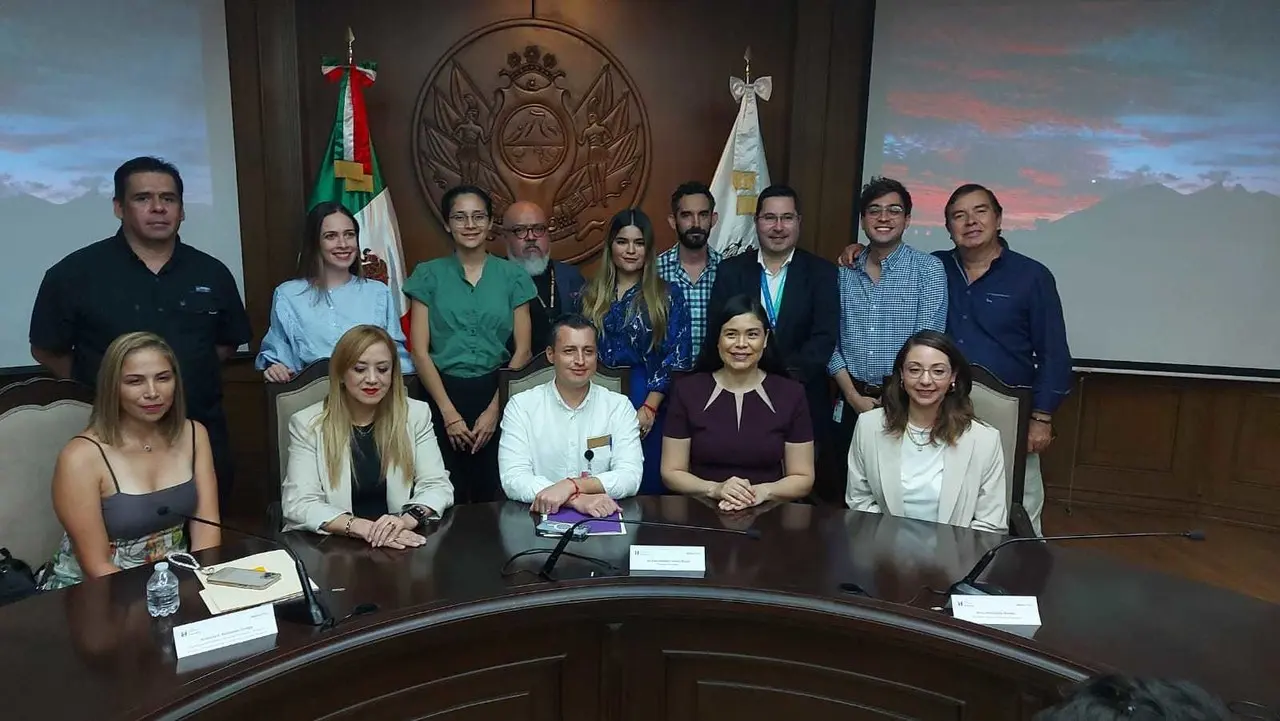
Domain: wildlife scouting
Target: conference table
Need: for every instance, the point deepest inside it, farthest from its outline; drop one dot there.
(766, 631)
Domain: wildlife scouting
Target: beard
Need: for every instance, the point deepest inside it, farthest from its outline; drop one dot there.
(693, 238)
(534, 264)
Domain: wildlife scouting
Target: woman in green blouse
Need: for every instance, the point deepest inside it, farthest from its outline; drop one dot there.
(464, 308)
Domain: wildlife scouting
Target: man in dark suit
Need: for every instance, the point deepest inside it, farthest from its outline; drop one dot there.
(524, 228)
(799, 293)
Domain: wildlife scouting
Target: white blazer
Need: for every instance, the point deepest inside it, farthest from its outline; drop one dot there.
(973, 484)
(309, 500)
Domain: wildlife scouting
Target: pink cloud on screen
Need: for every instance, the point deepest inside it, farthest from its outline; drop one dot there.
(960, 107)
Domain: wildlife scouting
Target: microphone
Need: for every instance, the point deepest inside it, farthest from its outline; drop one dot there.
(569, 535)
(969, 586)
(314, 613)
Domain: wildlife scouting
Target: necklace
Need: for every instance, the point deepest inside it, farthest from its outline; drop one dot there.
(919, 437)
(550, 302)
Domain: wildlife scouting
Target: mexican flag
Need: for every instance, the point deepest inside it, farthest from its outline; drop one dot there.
(350, 175)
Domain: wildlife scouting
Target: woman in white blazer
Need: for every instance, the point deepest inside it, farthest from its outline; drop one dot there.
(364, 462)
(923, 454)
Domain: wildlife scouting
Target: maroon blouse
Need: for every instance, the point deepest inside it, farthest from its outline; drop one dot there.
(725, 442)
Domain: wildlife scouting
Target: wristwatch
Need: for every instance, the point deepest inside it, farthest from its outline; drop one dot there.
(417, 513)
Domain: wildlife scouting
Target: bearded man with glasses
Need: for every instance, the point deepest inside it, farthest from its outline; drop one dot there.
(524, 228)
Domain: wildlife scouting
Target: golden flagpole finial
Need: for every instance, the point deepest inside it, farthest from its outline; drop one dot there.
(747, 56)
(351, 40)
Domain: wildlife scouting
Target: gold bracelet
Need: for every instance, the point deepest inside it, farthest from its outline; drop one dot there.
(346, 531)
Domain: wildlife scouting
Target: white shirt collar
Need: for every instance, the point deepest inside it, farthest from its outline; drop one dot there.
(785, 263)
(554, 390)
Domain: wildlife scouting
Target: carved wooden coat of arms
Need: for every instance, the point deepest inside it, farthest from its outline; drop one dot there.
(534, 110)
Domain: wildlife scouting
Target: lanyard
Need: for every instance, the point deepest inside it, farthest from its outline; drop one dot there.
(769, 306)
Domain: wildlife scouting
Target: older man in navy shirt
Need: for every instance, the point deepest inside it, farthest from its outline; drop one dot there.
(1005, 313)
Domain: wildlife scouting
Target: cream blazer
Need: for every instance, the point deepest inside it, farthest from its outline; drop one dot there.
(973, 483)
(309, 500)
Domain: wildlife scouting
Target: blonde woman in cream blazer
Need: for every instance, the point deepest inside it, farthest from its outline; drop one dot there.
(342, 493)
(924, 455)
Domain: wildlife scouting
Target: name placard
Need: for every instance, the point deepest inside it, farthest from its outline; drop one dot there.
(1014, 614)
(668, 561)
(225, 630)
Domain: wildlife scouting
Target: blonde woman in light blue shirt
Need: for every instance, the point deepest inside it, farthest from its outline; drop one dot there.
(329, 297)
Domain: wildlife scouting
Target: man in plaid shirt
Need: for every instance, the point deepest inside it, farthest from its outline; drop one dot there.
(690, 264)
(891, 292)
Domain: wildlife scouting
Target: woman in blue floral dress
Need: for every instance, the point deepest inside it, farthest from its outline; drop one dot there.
(644, 325)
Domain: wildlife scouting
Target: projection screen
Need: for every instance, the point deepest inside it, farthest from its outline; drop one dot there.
(1134, 145)
(90, 85)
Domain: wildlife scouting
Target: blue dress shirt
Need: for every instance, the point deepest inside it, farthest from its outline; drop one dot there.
(1010, 322)
(876, 319)
(306, 323)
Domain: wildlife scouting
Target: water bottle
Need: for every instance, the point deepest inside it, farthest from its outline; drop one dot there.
(162, 592)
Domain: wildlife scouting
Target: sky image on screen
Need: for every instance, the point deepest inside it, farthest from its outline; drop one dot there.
(92, 84)
(1134, 145)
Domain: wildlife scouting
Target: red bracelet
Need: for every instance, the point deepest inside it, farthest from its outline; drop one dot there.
(651, 408)
(576, 490)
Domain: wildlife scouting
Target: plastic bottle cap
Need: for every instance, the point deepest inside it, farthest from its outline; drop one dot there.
(162, 566)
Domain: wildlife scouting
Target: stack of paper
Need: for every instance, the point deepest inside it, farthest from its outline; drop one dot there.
(221, 599)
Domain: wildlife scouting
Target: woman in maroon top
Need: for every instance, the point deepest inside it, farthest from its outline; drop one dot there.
(738, 430)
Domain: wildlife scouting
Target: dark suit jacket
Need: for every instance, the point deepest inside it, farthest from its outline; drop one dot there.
(569, 282)
(808, 321)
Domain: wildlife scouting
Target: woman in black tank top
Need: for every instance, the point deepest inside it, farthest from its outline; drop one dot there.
(139, 453)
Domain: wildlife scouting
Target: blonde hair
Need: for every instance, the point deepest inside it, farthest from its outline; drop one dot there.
(104, 420)
(390, 418)
(654, 297)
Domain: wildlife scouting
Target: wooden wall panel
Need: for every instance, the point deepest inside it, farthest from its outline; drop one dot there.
(1200, 448)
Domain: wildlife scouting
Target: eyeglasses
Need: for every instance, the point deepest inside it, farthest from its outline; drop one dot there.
(475, 218)
(893, 211)
(524, 231)
(773, 218)
(938, 373)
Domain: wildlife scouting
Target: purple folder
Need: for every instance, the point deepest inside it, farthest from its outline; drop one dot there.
(607, 526)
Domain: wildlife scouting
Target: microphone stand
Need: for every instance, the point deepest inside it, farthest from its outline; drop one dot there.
(969, 585)
(571, 535)
(311, 611)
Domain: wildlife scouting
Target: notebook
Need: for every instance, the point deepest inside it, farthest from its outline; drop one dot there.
(221, 599)
(608, 526)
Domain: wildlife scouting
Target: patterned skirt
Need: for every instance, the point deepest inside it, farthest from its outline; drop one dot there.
(65, 570)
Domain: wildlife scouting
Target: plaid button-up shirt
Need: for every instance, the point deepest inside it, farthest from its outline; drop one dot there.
(696, 295)
(876, 319)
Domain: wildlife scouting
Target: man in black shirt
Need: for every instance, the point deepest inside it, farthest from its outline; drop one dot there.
(524, 229)
(145, 279)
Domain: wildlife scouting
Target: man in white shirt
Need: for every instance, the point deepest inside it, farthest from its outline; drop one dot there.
(570, 442)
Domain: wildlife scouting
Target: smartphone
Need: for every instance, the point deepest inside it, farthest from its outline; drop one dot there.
(556, 529)
(243, 578)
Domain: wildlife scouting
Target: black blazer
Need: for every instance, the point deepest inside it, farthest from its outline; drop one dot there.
(808, 321)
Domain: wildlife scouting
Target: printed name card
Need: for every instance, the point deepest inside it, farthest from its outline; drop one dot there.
(1013, 614)
(225, 630)
(669, 561)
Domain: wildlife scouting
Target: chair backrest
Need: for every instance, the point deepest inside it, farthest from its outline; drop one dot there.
(1008, 410)
(37, 418)
(283, 400)
(540, 370)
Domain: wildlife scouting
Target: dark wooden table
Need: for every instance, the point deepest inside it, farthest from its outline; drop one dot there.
(766, 632)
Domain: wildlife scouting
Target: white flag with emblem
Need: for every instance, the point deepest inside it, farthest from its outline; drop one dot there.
(742, 173)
